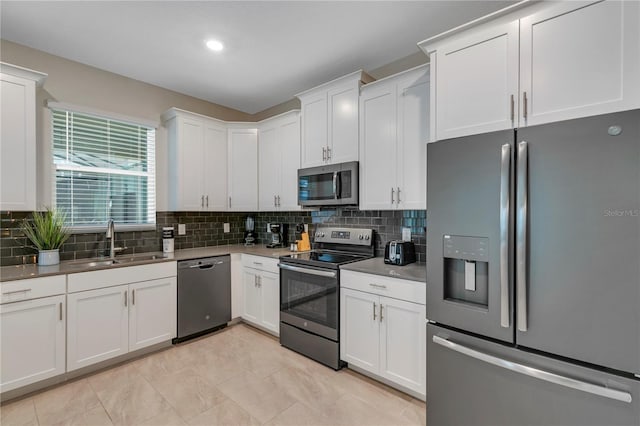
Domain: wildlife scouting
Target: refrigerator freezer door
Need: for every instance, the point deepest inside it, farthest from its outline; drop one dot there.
(466, 387)
(470, 220)
(583, 272)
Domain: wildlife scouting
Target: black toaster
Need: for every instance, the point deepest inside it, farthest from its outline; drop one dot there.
(399, 252)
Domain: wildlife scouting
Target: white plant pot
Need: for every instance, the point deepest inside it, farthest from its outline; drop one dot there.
(48, 257)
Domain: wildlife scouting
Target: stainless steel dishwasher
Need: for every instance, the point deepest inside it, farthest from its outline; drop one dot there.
(204, 296)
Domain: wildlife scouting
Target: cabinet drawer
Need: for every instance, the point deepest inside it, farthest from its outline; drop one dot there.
(120, 275)
(260, 262)
(32, 288)
(411, 291)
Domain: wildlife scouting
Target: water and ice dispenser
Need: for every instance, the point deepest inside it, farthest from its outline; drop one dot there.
(466, 269)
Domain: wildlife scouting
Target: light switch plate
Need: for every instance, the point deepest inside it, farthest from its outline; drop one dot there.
(306, 227)
(182, 229)
(227, 228)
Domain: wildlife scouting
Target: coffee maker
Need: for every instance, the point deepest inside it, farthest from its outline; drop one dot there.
(279, 235)
(249, 232)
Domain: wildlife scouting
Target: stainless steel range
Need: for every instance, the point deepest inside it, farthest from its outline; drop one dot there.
(310, 292)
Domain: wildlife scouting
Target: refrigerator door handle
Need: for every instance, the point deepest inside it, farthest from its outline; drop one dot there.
(522, 197)
(505, 191)
(535, 372)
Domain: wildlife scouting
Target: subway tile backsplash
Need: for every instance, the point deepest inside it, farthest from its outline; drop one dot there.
(204, 229)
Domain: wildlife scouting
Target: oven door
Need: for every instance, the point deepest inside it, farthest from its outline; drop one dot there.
(309, 299)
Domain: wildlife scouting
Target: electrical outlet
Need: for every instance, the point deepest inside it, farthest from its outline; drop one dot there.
(227, 228)
(268, 227)
(182, 229)
(406, 234)
(306, 227)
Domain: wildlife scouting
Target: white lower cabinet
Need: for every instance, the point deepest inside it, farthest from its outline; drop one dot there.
(261, 292)
(382, 334)
(360, 329)
(121, 316)
(152, 312)
(98, 326)
(33, 341)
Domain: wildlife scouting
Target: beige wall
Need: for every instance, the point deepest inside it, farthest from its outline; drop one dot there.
(402, 64)
(78, 84)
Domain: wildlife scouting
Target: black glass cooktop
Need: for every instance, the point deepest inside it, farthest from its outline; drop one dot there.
(323, 257)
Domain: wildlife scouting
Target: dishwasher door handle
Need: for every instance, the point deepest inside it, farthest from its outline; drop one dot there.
(206, 265)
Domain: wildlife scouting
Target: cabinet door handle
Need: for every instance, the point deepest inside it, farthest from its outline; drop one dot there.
(381, 306)
(328, 153)
(275, 201)
(398, 200)
(125, 298)
(255, 281)
(324, 154)
(202, 201)
(392, 197)
(524, 106)
(374, 311)
(278, 201)
(60, 311)
(229, 202)
(512, 106)
(133, 297)
(377, 285)
(207, 198)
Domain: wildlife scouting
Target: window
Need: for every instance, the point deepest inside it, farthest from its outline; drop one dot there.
(104, 168)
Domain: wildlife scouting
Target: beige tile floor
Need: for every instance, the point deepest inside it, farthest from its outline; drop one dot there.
(237, 376)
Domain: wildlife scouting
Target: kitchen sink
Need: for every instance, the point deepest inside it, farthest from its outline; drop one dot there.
(93, 263)
(140, 258)
(100, 263)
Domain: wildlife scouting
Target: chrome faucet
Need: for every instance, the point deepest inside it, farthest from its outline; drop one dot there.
(111, 234)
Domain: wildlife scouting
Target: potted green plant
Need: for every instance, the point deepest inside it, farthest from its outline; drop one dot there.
(47, 231)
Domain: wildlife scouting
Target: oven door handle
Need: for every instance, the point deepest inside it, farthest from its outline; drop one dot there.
(302, 270)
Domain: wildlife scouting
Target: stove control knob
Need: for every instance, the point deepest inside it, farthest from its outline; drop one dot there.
(322, 234)
(360, 237)
(366, 237)
(317, 234)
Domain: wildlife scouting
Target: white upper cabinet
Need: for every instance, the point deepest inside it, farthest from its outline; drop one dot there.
(243, 167)
(279, 161)
(577, 61)
(543, 63)
(18, 137)
(477, 81)
(197, 162)
(330, 121)
(215, 166)
(394, 130)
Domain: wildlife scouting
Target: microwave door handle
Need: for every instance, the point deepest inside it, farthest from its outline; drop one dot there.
(335, 185)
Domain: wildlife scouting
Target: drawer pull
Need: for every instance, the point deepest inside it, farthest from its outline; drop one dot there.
(377, 285)
(16, 291)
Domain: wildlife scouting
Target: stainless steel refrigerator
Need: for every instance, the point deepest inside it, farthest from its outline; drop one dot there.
(533, 275)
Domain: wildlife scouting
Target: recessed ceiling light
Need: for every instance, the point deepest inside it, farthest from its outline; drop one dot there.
(215, 45)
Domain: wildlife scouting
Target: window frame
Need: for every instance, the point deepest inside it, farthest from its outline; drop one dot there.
(151, 174)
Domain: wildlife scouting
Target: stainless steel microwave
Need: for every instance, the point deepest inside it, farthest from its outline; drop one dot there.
(330, 185)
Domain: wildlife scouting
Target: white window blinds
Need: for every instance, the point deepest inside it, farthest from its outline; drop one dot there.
(104, 168)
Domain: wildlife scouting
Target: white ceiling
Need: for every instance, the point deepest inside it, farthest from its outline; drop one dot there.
(274, 49)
